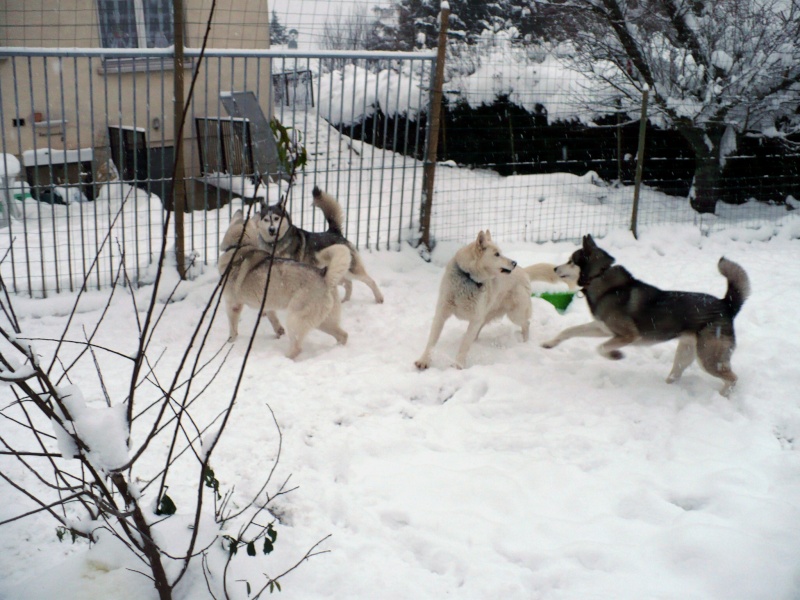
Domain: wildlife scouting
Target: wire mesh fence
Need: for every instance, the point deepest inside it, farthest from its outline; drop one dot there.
(95, 153)
(525, 147)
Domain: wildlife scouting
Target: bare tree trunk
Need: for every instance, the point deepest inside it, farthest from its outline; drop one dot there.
(707, 170)
(706, 184)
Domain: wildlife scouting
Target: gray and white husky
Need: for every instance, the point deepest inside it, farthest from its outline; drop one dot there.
(629, 311)
(275, 228)
(479, 285)
(307, 293)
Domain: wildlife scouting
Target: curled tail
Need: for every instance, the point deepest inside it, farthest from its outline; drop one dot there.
(548, 273)
(330, 208)
(336, 262)
(738, 284)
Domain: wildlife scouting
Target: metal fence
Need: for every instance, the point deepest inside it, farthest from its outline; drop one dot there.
(87, 152)
(87, 147)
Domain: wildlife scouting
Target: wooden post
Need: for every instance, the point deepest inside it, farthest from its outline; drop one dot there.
(429, 170)
(178, 174)
(639, 162)
(619, 144)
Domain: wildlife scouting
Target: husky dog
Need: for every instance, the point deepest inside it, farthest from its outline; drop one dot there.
(549, 274)
(479, 284)
(276, 228)
(308, 293)
(633, 312)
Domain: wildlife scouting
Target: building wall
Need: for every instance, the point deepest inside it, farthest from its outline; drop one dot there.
(79, 98)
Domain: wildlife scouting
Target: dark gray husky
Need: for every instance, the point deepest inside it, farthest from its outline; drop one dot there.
(633, 312)
(276, 228)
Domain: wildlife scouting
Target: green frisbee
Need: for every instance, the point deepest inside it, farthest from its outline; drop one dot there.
(560, 300)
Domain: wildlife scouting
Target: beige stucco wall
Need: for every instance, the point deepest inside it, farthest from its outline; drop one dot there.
(81, 97)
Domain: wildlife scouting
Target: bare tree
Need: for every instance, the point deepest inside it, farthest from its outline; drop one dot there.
(713, 69)
(347, 31)
(103, 469)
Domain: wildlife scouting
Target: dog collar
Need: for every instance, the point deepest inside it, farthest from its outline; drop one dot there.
(469, 277)
(600, 274)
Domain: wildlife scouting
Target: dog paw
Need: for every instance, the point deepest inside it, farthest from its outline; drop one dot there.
(673, 378)
(231, 339)
(279, 332)
(550, 344)
(421, 364)
(615, 355)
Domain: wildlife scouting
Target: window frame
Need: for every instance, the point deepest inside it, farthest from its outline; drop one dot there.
(135, 63)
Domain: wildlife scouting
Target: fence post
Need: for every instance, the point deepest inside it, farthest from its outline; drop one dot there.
(178, 181)
(639, 162)
(429, 170)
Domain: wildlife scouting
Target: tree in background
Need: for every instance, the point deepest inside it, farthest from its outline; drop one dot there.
(713, 70)
(347, 31)
(527, 20)
(277, 32)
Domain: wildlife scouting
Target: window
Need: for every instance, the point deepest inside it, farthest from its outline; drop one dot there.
(135, 23)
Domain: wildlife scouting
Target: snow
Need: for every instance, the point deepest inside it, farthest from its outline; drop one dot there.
(237, 184)
(48, 156)
(103, 428)
(531, 473)
(9, 166)
(722, 60)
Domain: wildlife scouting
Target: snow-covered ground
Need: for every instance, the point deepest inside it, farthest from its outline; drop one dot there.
(532, 473)
(548, 474)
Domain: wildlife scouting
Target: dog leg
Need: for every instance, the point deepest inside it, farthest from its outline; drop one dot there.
(297, 329)
(273, 320)
(684, 356)
(357, 271)
(331, 327)
(234, 312)
(714, 354)
(348, 289)
(521, 315)
(466, 342)
(424, 361)
(593, 329)
(526, 329)
(610, 348)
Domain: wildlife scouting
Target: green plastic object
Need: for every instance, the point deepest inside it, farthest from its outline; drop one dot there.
(560, 300)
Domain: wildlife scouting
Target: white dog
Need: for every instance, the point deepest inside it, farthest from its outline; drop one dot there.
(307, 293)
(478, 286)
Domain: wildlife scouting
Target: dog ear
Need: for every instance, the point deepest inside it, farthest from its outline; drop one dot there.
(237, 217)
(481, 240)
(588, 242)
(488, 235)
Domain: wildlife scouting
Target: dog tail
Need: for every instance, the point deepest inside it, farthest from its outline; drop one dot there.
(738, 284)
(335, 260)
(330, 208)
(547, 272)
